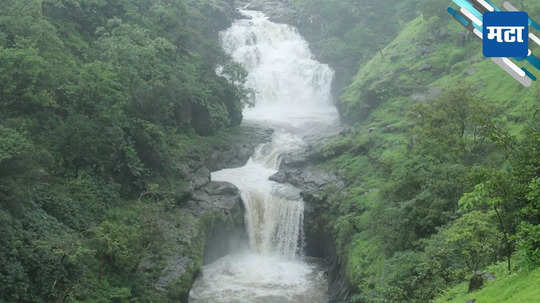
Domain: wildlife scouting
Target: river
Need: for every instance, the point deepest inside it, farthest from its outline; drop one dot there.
(292, 96)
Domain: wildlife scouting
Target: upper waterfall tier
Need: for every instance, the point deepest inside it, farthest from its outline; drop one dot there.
(290, 86)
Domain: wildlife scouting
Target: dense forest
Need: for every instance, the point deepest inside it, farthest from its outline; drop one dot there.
(104, 105)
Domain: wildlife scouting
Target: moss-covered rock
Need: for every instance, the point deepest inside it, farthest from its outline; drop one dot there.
(184, 234)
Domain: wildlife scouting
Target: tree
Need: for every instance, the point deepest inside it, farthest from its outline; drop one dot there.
(469, 242)
(529, 230)
(452, 127)
(501, 194)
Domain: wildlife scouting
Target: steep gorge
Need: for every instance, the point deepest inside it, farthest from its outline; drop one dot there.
(292, 95)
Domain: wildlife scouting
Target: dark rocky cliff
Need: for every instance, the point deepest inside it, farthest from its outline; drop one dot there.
(301, 170)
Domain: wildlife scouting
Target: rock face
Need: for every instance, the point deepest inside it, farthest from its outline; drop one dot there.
(205, 223)
(301, 171)
(239, 147)
(187, 235)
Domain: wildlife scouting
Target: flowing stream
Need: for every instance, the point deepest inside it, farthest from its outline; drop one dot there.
(292, 95)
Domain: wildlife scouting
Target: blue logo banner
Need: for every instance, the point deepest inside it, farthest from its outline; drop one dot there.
(506, 34)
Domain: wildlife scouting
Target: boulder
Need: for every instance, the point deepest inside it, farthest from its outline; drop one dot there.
(216, 196)
(238, 146)
(208, 226)
(478, 280)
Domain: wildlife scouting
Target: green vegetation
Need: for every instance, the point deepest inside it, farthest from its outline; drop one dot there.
(517, 287)
(441, 166)
(102, 108)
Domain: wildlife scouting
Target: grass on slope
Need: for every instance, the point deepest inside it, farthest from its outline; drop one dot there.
(520, 287)
(427, 56)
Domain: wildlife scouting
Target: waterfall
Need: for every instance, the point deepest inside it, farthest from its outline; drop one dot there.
(274, 212)
(291, 95)
(290, 86)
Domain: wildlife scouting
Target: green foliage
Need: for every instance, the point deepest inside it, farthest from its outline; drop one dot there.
(12, 144)
(464, 246)
(119, 240)
(452, 124)
(42, 262)
(529, 243)
(103, 105)
(100, 101)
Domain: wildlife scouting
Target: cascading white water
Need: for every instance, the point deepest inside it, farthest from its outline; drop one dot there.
(292, 95)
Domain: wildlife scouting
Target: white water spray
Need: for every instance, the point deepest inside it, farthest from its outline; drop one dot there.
(292, 95)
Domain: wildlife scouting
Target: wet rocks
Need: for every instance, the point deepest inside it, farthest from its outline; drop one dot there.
(238, 146)
(299, 169)
(189, 235)
(216, 196)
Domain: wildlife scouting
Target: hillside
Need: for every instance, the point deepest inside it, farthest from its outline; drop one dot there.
(439, 164)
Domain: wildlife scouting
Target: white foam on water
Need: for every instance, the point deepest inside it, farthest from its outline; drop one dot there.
(257, 278)
(292, 95)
